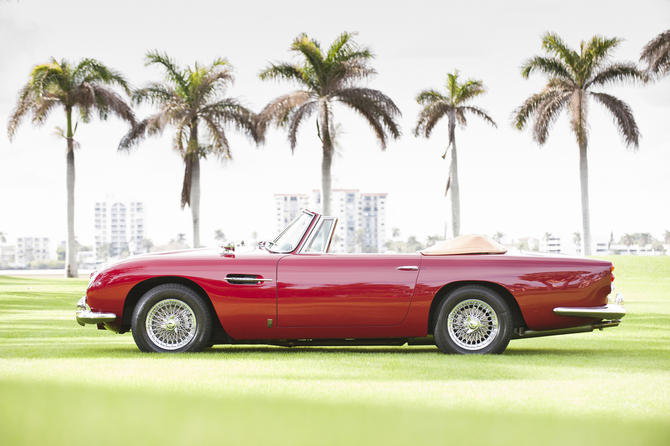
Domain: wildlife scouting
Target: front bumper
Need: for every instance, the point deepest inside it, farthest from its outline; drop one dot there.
(85, 316)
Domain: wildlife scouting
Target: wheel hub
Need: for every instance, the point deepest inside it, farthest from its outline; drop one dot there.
(473, 324)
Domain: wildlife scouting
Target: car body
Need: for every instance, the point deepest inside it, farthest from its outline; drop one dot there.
(291, 291)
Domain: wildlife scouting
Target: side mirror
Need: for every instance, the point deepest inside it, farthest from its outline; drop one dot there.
(228, 249)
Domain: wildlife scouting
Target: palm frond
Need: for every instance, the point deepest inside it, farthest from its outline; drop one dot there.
(548, 65)
(430, 115)
(154, 93)
(283, 71)
(547, 112)
(427, 97)
(301, 114)
(23, 106)
(280, 109)
(656, 54)
(231, 111)
(623, 118)
(615, 73)
(476, 111)
(468, 90)
(173, 72)
(91, 70)
(552, 43)
(524, 113)
(379, 110)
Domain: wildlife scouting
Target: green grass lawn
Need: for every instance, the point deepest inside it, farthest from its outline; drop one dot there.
(65, 384)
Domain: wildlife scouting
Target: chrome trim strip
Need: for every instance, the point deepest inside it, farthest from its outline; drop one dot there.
(89, 317)
(246, 279)
(408, 268)
(609, 311)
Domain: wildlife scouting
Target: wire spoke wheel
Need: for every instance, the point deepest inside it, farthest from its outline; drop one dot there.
(472, 324)
(171, 324)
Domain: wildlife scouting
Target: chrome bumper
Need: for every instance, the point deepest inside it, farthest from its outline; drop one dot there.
(609, 311)
(85, 316)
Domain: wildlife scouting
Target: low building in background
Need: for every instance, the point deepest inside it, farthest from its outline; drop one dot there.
(32, 248)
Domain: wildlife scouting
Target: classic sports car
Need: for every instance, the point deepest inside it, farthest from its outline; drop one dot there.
(466, 295)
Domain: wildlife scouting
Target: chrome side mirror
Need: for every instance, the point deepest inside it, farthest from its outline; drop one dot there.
(228, 249)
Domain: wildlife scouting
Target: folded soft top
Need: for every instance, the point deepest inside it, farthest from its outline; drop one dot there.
(465, 244)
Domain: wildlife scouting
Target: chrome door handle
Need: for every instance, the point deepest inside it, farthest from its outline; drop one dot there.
(408, 268)
(235, 280)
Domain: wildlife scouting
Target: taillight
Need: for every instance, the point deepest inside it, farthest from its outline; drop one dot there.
(612, 272)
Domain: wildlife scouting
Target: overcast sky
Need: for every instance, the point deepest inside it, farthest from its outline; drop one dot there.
(508, 183)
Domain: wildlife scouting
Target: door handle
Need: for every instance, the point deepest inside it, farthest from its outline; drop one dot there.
(408, 268)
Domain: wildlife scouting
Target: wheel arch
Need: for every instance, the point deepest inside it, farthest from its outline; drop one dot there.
(517, 316)
(136, 293)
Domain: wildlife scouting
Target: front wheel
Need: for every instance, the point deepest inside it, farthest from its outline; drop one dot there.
(473, 319)
(171, 318)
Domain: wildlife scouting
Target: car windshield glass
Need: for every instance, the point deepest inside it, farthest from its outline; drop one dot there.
(291, 236)
(319, 242)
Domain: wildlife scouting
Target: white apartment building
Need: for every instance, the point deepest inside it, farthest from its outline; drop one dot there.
(117, 223)
(557, 244)
(32, 248)
(362, 217)
(288, 206)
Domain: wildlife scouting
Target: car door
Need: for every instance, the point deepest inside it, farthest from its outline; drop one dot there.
(331, 290)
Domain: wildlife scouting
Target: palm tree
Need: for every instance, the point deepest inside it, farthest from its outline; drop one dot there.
(454, 106)
(192, 101)
(577, 238)
(219, 235)
(3, 237)
(327, 78)
(84, 88)
(656, 54)
(395, 232)
(645, 239)
(498, 236)
(432, 239)
(181, 238)
(666, 237)
(572, 78)
(628, 240)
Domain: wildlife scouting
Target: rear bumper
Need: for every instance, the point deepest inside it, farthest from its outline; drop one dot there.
(609, 311)
(85, 316)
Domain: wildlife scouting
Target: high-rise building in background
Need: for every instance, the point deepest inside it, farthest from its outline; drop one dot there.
(117, 224)
(362, 217)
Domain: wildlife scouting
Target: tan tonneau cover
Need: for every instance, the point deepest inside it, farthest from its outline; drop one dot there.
(465, 244)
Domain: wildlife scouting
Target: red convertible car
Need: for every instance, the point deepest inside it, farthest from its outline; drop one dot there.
(466, 295)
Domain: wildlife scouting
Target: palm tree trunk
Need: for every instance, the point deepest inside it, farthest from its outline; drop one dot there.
(71, 267)
(327, 161)
(195, 200)
(455, 196)
(584, 180)
(195, 183)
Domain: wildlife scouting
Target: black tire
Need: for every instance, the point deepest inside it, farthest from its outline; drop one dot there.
(171, 318)
(473, 319)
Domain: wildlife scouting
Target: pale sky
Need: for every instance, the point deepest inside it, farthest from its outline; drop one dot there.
(508, 184)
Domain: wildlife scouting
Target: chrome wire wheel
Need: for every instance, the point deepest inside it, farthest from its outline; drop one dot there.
(171, 324)
(472, 324)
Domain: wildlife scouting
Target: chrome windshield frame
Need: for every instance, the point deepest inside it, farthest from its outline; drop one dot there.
(269, 246)
(315, 230)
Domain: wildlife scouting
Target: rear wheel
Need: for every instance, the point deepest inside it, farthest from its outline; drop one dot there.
(473, 319)
(171, 318)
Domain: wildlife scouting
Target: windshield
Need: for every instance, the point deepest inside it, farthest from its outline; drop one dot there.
(288, 240)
